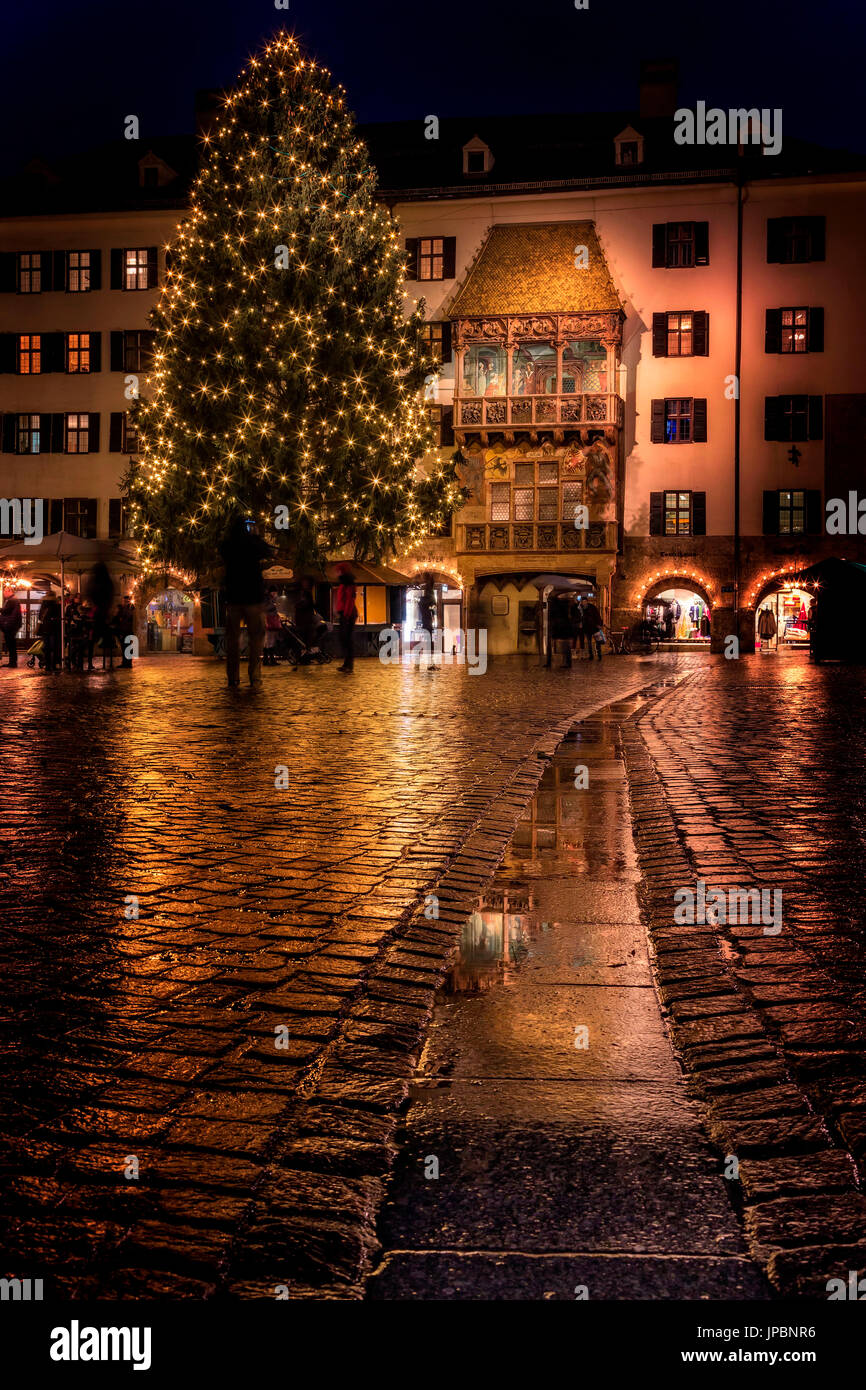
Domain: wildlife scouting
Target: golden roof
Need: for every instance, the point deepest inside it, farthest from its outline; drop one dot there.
(530, 269)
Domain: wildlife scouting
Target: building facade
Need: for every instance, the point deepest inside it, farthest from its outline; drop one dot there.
(650, 358)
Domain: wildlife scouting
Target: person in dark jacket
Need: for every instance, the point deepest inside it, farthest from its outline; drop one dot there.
(10, 626)
(591, 626)
(125, 624)
(100, 592)
(243, 553)
(49, 630)
(560, 625)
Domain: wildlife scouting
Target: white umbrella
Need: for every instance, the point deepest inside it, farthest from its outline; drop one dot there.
(62, 546)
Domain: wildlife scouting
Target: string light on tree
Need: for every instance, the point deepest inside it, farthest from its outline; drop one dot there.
(285, 374)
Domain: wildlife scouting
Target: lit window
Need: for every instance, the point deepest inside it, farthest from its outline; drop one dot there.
(678, 421)
(500, 502)
(77, 434)
(78, 272)
(29, 435)
(431, 251)
(432, 336)
(78, 352)
(678, 513)
(548, 503)
(524, 503)
(135, 273)
(572, 496)
(30, 272)
(679, 335)
(792, 513)
(794, 325)
(29, 354)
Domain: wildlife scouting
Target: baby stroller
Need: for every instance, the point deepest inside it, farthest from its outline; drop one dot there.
(298, 652)
(36, 652)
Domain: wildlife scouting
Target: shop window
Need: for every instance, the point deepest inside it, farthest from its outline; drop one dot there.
(376, 605)
(30, 272)
(680, 245)
(29, 354)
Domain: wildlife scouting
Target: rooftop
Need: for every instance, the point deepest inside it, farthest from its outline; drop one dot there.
(530, 269)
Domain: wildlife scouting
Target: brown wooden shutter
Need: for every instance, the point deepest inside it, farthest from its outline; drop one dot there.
(446, 343)
(56, 514)
(412, 258)
(814, 513)
(10, 433)
(660, 244)
(773, 331)
(816, 417)
(46, 262)
(701, 333)
(152, 267)
(657, 422)
(117, 268)
(699, 513)
(116, 351)
(815, 330)
(93, 432)
(58, 435)
(60, 270)
(657, 514)
(449, 257)
(818, 238)
(699, 421)
(660, 335)
(772, 421)
(702, 243)
(91, 517)
(8, 272)
(95, 269)
(771, 513)
(54, 352)
(96, 352)
(115, 432)
(8, 352)
(775, 242)
(446, 429)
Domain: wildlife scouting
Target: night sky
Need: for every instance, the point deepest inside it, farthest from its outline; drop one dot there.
(74, 71)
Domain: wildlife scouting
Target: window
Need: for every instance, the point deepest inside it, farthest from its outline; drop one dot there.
(431, 251)
(679, 245)
(77, 434)
(437, 338)
(679, 335)
(78, 352)
(628, 152)
(500, 502)
(29, 435)
(483, 370)
(30, 272)
(792, 418)
(794, 240)
(794, 330)
(572, 497)
(129, 443)
(678, 513)
(135, 270)
(679, 420)
(150, 176)
(792, 513)
(137, 350)
(29, 354)
(79, 516)
(78, 272)
(524, 504)
(548, 503)
(118, 518)
(476, 162)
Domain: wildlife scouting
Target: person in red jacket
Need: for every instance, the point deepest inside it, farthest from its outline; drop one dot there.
(347, 615)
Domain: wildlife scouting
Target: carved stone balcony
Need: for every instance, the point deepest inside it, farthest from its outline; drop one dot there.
(520, 537)
(534, 413)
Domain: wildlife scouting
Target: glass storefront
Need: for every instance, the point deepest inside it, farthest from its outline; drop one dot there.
(679, 615)
(789, 608)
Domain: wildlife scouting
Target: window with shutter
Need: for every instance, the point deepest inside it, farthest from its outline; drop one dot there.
(30, 272)
(431, 258)
(660, 335)
(78, 272)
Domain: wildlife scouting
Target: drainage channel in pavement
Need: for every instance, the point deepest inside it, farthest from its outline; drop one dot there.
(550, 1149)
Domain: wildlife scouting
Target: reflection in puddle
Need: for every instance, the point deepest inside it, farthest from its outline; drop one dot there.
(493, 942)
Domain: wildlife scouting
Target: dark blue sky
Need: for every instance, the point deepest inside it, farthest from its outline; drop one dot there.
(73, 71)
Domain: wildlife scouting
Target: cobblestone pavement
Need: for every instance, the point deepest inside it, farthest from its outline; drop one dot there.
(750, 776)
(201, 1099)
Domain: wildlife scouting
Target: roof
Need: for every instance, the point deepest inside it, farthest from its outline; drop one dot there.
(530, 269)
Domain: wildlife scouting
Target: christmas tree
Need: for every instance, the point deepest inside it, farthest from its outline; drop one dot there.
(286, 379)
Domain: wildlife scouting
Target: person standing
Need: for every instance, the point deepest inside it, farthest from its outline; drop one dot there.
(100, 592)
(346, 609)
(560, 626)
(577, 637)
(273, 628)
(591, 626)
(49, 630)
(125, 630)
(243, 553)
(426, 612)
(10, 625)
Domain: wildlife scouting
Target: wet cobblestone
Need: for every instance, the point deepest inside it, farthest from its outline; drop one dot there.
(751, 778)
(158, 1140)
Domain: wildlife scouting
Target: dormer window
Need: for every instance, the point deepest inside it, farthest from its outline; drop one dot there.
(629, 148)
(477, 157)
(153, 172)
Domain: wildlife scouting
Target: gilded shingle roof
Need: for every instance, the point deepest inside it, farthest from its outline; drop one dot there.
(530, 269)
